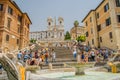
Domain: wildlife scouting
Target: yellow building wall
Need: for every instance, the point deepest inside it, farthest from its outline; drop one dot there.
(13, 31)
(114, 27)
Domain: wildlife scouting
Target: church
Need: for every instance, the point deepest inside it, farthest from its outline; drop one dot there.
(54, 32)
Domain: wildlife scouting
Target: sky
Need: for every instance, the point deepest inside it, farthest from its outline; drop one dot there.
(70, 10)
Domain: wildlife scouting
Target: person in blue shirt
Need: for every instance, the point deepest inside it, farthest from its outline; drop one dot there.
(19, 55)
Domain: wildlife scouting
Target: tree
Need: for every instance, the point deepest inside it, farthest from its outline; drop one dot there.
(33, 41)
(81, 38)
(76, 23)
(67, 36)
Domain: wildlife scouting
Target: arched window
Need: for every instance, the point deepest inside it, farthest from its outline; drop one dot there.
(60, 22)
(49, 23)
(7, 37)
(60, 33)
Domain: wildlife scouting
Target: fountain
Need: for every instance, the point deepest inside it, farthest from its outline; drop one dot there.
(9, 67)
(81, 73)
(79, 67)
(13, 73)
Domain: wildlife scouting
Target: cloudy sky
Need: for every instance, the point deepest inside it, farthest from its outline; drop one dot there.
(70, 10)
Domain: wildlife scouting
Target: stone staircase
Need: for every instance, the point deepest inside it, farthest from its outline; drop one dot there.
(63, 55)
(62, 52)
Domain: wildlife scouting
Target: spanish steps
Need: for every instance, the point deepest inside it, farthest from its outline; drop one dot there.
(63, 54)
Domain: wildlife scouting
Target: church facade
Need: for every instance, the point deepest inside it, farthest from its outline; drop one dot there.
(54, 32)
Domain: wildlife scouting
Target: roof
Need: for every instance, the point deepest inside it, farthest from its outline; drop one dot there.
(99, 5)
(16, 6)
(87, 15)
(93, 10)
(77, 27)
(28, 17)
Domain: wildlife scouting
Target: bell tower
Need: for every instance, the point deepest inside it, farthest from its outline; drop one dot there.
(61, 21)
(49, 23)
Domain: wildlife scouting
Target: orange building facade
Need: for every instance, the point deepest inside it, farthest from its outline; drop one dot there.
(103, 25)
(77, 31)
(14, 27)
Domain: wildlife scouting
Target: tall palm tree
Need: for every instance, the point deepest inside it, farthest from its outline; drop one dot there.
(76, 24)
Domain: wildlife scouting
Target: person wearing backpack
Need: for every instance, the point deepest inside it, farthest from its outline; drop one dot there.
(46, 57)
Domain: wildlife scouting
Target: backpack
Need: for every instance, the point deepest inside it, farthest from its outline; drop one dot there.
(46, 55)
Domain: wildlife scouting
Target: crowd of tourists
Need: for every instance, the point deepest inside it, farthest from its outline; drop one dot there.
(37, 57)
(46, 55)
(87, 54)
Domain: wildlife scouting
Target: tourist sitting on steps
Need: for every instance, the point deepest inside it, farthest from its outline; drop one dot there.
(40, 63)
(33, 62)
(26, 57)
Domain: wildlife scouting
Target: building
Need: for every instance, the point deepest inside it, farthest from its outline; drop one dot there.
(77, 31)
(103, 25)
(14, 26)
(54, 32)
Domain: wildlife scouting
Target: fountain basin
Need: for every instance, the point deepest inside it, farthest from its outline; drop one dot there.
(79, 67)
(90, 75)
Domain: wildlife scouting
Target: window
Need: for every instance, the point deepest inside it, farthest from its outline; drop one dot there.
(46, 35)
(87, 34)
(49, 34)
(10, 10)
(97, 15)
(8, 23)
(99, 27)
(90, 19)
(117, 3)
(91, 30)
(18, 29)
(28, 26)
(7, 37)
(110, 35)
(49, 23)
(86, 23)
(108, 21)
(60, 22)
(100, 39)
(88, 43)
(118, 18)
(60, 33)
(1, 7)
(92, 41)
(19, 18)
(17, 41)
(106, 7)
